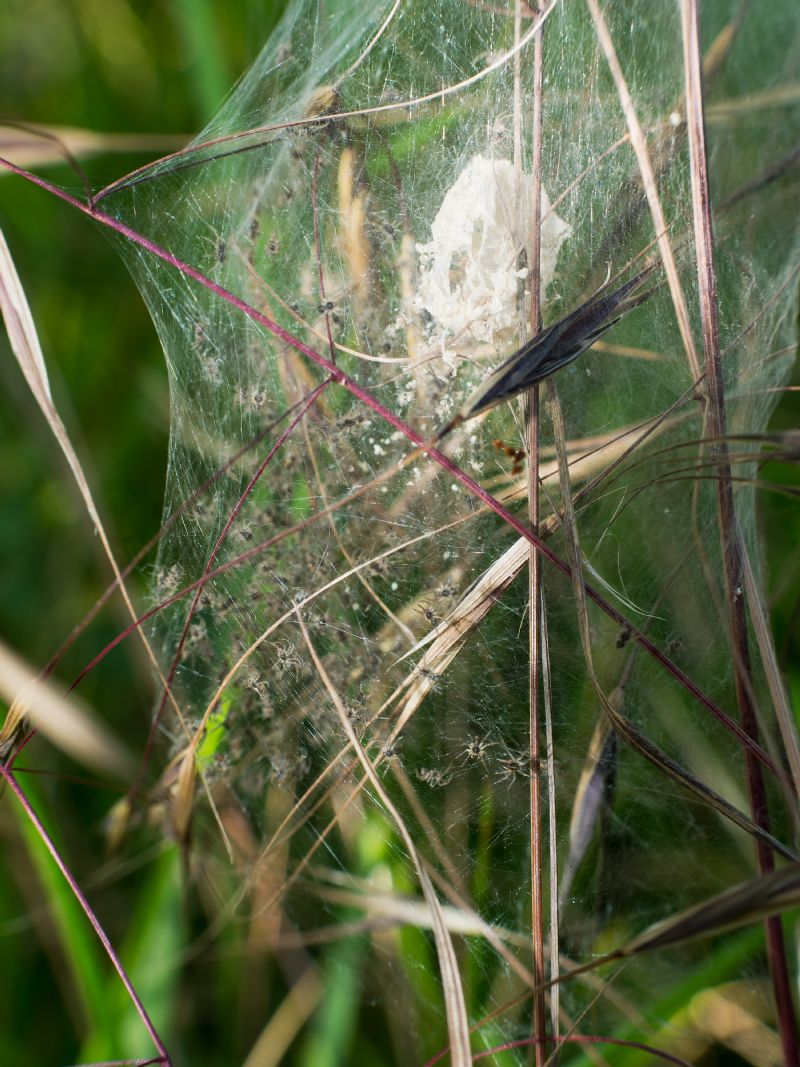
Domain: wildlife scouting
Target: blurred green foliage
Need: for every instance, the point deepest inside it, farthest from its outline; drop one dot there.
(110, 66)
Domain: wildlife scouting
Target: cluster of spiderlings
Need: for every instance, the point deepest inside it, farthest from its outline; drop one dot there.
(384, 205)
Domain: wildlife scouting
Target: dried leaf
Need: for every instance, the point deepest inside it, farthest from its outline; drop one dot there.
(590, 796)
(39, 146)
(183, 800)
(741, 905)
(67, 722)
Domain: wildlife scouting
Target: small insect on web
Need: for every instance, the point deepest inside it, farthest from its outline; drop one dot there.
(516, 454)
(553, 348)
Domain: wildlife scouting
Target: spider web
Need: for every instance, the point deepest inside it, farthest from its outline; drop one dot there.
(367, 186)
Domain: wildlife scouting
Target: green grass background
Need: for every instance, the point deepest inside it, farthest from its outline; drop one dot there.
(119, 67)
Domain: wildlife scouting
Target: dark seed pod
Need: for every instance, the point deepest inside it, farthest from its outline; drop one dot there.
(553, 348)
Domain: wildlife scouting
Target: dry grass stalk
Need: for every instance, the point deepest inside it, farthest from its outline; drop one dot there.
(28, 352)
(65, 721)
(639, 145)
(39, 146)
(733, 549)
(455, 1007)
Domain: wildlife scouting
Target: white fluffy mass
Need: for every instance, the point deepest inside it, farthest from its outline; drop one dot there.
(469, 274)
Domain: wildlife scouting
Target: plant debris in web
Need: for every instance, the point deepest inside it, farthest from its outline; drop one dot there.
(364, 603)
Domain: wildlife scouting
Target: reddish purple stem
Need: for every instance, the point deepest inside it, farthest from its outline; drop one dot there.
(582, 1039)
(15, 787)
(209, 567)
(412, 435)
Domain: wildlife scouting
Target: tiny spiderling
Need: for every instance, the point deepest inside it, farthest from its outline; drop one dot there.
(513, 766)
(433, 777)
(476, 749)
